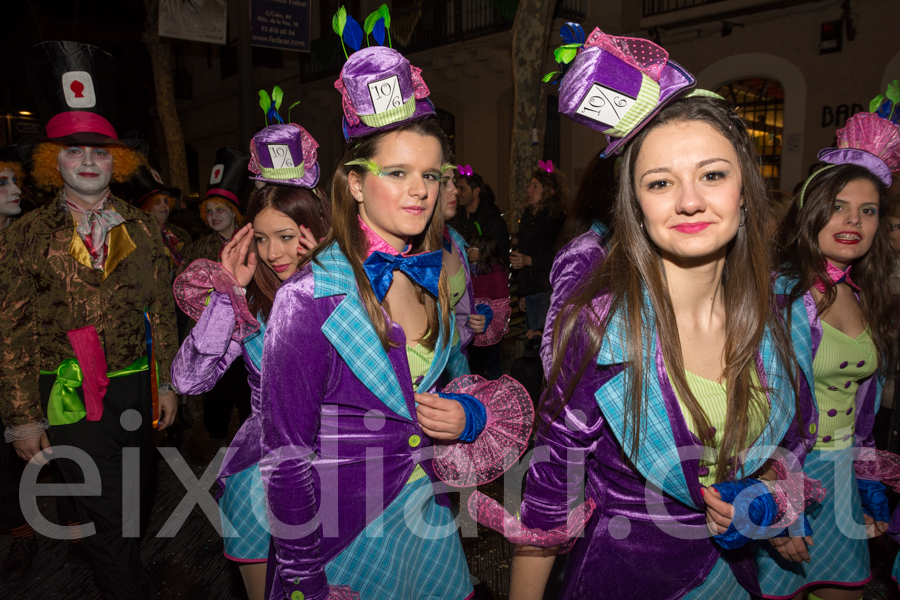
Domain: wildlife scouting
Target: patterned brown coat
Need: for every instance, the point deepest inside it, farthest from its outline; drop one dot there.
(48, 291)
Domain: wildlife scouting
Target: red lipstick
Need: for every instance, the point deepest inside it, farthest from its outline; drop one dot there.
(690, 228)
(280, 268)
(848, 237)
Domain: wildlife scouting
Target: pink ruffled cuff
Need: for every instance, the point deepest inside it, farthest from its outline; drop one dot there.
(341, 592)
(510, 414)
(499, 324)
(793, 492)
(490, 513)
(878, 465)
(192, 289)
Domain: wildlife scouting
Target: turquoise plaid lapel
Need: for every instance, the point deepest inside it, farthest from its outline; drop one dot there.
(352, 334)
(658, 460)
(801, 333)
(461, 243)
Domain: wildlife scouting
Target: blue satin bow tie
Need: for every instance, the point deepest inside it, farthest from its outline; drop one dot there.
(424, 269)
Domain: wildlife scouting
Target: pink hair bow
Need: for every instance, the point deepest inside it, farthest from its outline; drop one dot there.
(465, 170)
(547, 166)
(643, 55)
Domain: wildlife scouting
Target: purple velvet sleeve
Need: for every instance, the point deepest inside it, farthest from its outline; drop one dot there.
(208, 351)
(295, 372)
(572, 265)
(562, 446)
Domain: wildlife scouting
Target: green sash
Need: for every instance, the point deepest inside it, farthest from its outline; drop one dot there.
(65, 406)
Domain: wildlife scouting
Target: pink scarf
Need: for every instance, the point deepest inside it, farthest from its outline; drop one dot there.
(94, 227)
(837, 276)
(376, 244)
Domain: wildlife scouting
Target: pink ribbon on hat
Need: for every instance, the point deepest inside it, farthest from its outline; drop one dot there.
(836, 276)
(465, 170)
(420, 90)
(346, 102)
(643, 55)
(547, 166)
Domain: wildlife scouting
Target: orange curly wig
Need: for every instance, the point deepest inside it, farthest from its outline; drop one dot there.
(145, 205)
(204, 209)
(17, 170)
(126, 162)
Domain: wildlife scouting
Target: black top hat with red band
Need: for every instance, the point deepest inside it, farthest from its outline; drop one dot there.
(145, 183)
(229, 177)
(73, 85)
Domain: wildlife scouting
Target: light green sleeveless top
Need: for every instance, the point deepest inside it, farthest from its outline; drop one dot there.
(841, 363)
(712, 397)
(420, 359)
(457, 286)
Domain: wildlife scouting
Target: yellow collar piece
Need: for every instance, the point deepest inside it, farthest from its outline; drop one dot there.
(119, 245)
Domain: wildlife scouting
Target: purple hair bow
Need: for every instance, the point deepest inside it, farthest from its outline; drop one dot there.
(547, 166)
(465, 170)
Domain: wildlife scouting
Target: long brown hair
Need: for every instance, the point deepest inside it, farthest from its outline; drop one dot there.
(555, 196)
(305, 207)
(634, 267)
(800, 258)
(345, 230)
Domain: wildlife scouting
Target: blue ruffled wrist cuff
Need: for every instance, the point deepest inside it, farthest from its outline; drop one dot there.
(476, 415)
(487, 311)
(754, 512)
(874, 499)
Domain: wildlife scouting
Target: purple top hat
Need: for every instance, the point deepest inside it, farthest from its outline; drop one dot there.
(381, 91)
(616, 85)
(285, 155)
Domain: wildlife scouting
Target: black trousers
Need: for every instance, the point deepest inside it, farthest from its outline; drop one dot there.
(114, 558)
(230, 391)
(11, 467)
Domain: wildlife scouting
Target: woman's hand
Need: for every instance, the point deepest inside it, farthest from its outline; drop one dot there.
(718, 512)
(519, 260)
(235, 254)
(875, 528)
(307, 241)
(792, 548)
(476, 322)
(440, 418)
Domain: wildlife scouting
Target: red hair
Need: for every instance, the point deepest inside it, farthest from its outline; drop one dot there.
(126, 162)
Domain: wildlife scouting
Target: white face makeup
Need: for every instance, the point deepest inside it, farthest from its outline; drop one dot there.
(9, 195)
(277, 241)
(688, 183)
(449, 194)
(86, 171)
(398, 202)
(849, 233)
(220, 218)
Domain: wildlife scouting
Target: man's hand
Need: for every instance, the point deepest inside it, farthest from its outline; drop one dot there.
(31, 448)
(168, 405)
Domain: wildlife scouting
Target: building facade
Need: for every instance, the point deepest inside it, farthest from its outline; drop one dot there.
(796, 71)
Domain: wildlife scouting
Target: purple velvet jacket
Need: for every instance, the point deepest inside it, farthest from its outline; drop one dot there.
(201, 361)
(572, 265)
(340, 436)
(638, 542)
(467, 303)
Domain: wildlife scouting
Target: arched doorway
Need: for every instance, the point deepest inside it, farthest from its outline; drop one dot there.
(760, 102)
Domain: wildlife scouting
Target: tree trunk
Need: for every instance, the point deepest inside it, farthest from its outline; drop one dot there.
(530, 34)
(161, 57)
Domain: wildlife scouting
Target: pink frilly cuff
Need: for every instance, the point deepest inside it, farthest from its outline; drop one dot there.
(192, 289)
(643, 55)
(490, 513)
(878, 465)
(341, 592)
(510, 414)
(499, 324)
(793, 492)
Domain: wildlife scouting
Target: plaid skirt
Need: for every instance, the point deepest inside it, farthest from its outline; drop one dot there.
(411, 552)
(243, 504)
(840, 552)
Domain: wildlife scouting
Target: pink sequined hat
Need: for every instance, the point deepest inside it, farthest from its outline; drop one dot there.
(381, 91)
(869, 141)
(616, 85)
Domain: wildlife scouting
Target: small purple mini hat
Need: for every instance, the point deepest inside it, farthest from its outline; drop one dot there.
(381, 91)
(616, 85)
(869, 141)
(285, 155)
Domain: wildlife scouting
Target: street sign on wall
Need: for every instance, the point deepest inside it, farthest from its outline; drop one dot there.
(282, 24)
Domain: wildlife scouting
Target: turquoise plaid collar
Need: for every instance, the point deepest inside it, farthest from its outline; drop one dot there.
(351, 333)
(659, 459)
